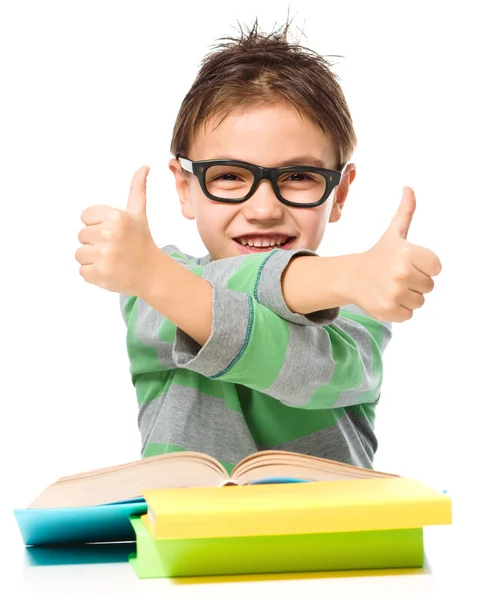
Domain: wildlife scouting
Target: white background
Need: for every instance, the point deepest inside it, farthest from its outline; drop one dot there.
(90, 92)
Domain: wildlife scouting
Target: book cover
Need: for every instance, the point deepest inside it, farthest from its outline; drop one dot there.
(103, 523)
(295, 508)
(274, 554)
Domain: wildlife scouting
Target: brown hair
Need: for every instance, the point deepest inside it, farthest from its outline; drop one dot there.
(257, 69)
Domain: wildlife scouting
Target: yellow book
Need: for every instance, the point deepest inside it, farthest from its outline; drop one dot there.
(295, 508)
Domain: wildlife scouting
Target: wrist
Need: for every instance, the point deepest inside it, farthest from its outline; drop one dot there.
(154, 265)
(340, 273)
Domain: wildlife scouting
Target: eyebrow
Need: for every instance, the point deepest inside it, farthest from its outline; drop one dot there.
(305, 159)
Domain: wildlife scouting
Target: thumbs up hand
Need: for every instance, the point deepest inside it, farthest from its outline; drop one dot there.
(389, 281)
(118, 251)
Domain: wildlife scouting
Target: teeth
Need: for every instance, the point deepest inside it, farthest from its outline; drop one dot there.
(262, 242)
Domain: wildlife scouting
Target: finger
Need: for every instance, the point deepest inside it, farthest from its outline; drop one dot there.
(412, 300)
(426, 261)
(93, 215)
(88, 273)
(92, 234)
(420, 282)
(136, 203)
(402, 314)
(87, 255)
(401, 221)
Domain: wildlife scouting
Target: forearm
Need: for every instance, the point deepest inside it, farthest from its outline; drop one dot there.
(309, 284)
(226, 334)
(181, 296)
(313, 283)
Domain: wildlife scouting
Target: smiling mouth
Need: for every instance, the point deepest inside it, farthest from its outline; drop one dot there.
(249, 249)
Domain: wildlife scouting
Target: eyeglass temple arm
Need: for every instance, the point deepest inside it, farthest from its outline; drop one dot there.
(185, 163)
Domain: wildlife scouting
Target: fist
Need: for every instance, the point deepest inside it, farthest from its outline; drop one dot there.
(117, 251)
(392, 277)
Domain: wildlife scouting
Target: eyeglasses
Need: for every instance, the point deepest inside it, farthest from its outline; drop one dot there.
(235, 181)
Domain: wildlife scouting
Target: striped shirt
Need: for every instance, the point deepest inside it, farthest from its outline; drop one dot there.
(266, 378)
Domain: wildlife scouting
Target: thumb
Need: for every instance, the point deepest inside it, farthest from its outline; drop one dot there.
(136, 203)
(401, 221)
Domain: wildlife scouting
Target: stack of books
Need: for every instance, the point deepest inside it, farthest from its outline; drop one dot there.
(189, 517)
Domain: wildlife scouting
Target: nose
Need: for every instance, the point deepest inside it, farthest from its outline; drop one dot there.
(263, 206)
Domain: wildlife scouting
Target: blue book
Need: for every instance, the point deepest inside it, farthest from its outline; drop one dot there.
(102, 523)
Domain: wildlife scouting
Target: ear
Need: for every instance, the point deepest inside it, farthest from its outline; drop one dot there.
(183, 189)
(341, 192)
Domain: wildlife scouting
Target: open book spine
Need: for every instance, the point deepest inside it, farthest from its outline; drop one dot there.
(402, 548)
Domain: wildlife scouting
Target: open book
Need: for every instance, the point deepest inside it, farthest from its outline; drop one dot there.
(127, 481)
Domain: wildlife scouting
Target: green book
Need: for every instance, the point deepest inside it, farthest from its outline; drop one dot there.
(384, 549)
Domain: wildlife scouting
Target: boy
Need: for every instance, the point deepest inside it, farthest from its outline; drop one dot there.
(261, 343)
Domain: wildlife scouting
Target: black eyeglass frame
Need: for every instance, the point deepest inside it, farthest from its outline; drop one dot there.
(200, 167)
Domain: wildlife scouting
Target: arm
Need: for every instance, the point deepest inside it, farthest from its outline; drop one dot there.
(301, 275)
(303, 366)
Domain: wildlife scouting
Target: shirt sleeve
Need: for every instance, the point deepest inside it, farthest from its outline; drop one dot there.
(293, 358)
(260, 275)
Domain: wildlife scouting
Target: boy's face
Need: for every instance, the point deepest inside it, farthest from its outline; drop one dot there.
(269, 136)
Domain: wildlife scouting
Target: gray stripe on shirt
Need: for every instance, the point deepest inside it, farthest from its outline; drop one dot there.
(363, 341)
(303, 371)
(148, 326)
(341, 442)
(189, 419)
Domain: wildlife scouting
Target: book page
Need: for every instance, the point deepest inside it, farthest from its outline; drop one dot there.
(276, 463)
(126, 481)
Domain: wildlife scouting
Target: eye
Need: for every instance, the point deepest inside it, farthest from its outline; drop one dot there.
(299, 176)
(226, 177)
